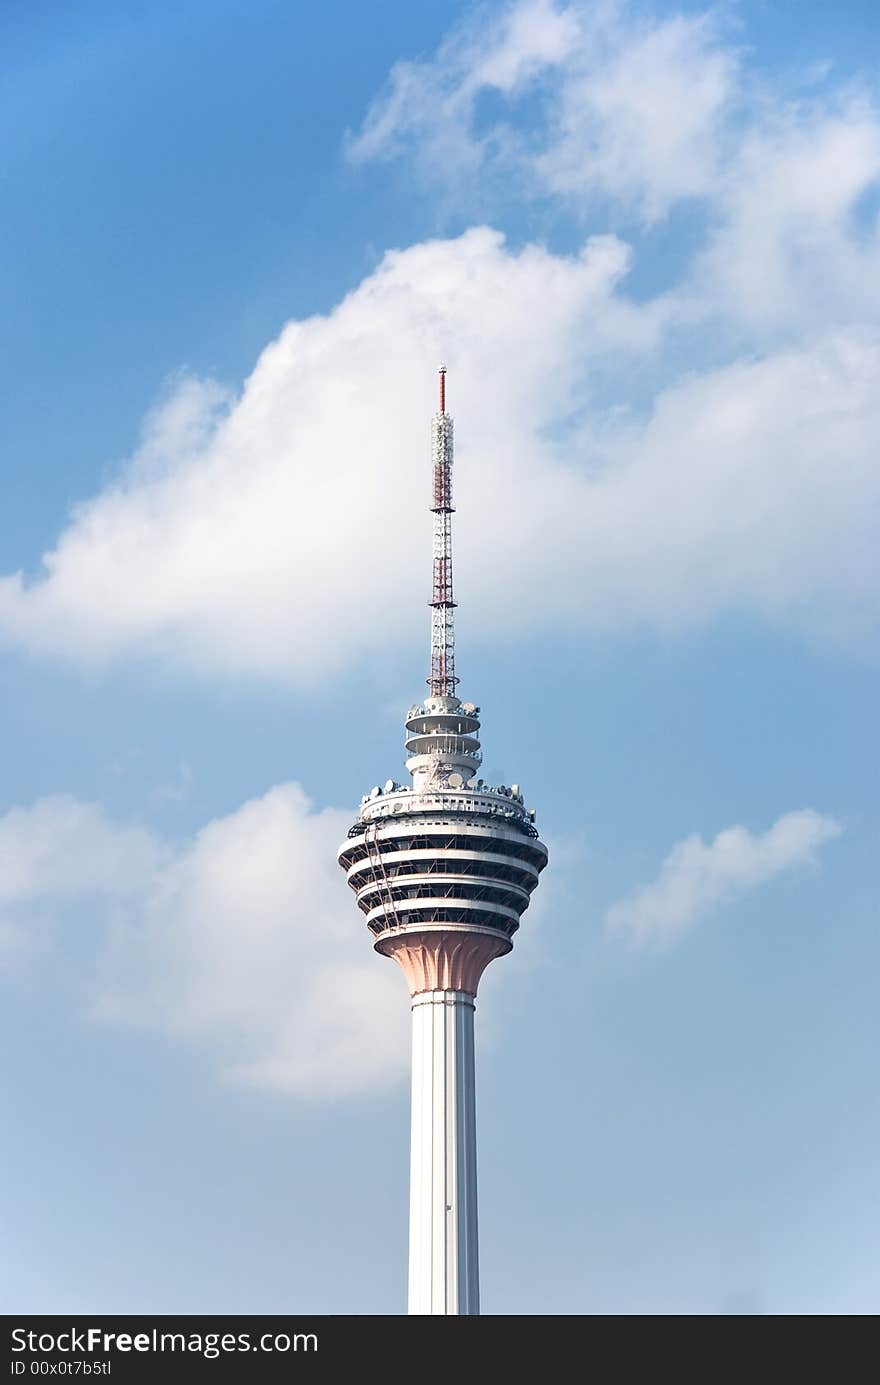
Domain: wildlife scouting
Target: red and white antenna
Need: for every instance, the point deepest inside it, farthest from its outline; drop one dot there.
(442, 681)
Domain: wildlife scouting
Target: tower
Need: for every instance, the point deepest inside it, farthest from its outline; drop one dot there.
(443, 870)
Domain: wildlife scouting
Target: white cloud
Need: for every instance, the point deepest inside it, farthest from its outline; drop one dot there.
(58, 852)
(638, 114)
(244, 940)
(790, 248)
(631, 106)
(620, 463)
(62, 848)
(631, 114)
(432, 103)
(291, 539)
(695, 879)
(753, 488)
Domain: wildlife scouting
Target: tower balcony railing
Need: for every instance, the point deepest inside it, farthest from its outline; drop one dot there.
(459, 746)
(452, 723)
(475, 812)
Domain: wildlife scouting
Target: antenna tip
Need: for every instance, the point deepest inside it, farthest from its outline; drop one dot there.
(442, 369)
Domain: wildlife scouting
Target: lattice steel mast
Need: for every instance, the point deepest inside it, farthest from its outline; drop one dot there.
(442, 681)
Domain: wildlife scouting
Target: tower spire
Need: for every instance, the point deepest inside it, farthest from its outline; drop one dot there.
(442, 681)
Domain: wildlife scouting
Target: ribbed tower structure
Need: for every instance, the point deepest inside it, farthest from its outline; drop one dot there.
(443, 871)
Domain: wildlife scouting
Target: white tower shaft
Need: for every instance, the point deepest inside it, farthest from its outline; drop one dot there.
(443, 1257)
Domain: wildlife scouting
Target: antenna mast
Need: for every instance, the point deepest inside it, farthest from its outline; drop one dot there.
(442, 680)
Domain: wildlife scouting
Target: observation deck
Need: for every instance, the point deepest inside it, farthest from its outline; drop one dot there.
(451, 853)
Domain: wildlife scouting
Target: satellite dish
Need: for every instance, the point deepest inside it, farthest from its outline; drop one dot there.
(455, 781)
(375, 791)
(389, 786)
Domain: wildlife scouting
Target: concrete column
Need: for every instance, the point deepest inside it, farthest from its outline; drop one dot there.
(443, 1262)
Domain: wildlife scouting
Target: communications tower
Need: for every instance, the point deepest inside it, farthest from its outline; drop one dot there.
(442, 870)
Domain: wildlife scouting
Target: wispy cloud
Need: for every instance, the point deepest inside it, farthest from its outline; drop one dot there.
(61, 852)
(630, 114)
(695, 878)
(630, 107)
(428, 106)
(173, 792)
(63, 848)
(242, 940)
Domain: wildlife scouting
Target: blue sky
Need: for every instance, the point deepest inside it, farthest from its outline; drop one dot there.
(238, 239)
